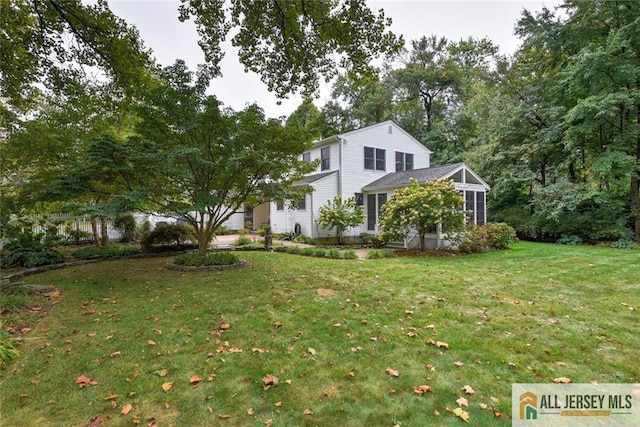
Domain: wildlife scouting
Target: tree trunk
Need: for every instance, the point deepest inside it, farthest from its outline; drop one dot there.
(104, 231)
(94, 231)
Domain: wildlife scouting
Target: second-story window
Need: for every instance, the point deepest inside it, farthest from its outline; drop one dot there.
(325, 156)
(404, 161)
(306, 157)
(375, 159)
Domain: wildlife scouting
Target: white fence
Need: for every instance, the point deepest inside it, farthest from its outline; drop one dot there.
(66, 225)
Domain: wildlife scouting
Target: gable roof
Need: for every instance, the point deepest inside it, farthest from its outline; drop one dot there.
(313, 178)
(403, 179)
(335, 138)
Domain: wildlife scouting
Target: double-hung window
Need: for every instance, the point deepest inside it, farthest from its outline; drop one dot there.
(325, 157)
(404, 161)
(375, 159)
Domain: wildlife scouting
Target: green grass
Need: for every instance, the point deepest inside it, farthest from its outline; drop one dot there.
(529, 314)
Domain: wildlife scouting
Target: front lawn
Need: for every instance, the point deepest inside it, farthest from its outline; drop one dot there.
(130, 341)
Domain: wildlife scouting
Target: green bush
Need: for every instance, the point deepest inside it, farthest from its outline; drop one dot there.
(500, 235)
(294, 250)
(569, 240)
(211, 258)
(623, 244)
(305, 239)
(487, 237)
(349, 254)
(243, 240)
(165, 235)
(126, 224)
(77, 236)
(32, 257)
(105, 252)
(380, 253)
(8, 351)
(333, 253)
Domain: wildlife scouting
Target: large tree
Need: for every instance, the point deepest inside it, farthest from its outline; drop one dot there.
(207, 161)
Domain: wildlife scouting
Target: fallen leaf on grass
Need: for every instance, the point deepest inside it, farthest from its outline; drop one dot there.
(115, 353)
(483, 405)
(194, 380)
(151, 342)
(84, 381)
(224, 326)
(161, 373)
(167, 386)
(224, 416)
(95, 421)
(422, 389)
(111, 396)
(278, 404)
(467, 389)
(392, 372)
(249, 411)
(497, 413)
(136, 419)
(462, 401)
(307, 412)
(494, 399)
(562, 380)
(463, 415)
(436, 412)
(270, 381)
(126, 409)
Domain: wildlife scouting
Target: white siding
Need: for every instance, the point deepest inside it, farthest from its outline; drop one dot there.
(286, 219)
(355, 176)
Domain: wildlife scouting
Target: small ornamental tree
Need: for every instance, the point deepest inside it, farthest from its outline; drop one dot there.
(341, 214)
(422, 207)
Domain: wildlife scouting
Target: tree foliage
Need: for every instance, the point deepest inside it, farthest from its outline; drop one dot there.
(203, 162)
(422, 207)
(341, 215)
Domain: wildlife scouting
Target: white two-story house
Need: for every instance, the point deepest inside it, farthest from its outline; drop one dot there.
(367, 164)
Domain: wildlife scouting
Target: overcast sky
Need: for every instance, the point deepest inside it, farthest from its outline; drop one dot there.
(157, 22)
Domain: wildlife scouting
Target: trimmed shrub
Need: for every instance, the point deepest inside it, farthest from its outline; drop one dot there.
(294, 250)
(500, 235)
(211, 258)
(380, 253)
(243, 240)
(105, 252)
(165, 234)
(487, 237)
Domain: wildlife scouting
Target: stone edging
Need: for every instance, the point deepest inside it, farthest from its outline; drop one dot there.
(176, 267)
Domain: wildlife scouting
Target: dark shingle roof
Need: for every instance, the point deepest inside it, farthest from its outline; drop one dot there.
(399, 179)
(313, 178)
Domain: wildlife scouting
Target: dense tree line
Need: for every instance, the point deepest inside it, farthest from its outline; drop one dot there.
(554, 129)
